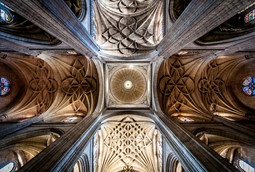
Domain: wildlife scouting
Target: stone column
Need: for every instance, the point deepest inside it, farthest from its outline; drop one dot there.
(198, 18)
(56, 18)
(193, 155)
(65, 151)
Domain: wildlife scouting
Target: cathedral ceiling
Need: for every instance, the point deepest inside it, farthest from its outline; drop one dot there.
(231, 30)
(199, 88)
(126, 28)
(64, 85)
(20, 29)
(22, 149)
(128, 84)
(128, 143)
(16, 83)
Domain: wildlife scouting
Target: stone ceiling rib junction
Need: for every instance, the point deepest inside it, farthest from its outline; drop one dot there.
(127, 85)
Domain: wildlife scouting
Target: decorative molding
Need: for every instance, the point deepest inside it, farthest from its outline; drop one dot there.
(138, 75)
(41, 88)
(44, 86)
(79, 85)
(175, 85)
(197, 88)
(128, 143)
(78, 93)
(128, 28)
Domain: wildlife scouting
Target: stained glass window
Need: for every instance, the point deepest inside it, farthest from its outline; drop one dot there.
(249, 86)
(5, 14)
(4, 86)
(245, 166)
(249, 16)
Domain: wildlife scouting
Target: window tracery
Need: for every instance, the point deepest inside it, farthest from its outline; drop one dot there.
(4, 86)
(248, 86)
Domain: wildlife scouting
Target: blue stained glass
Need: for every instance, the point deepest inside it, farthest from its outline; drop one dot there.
(6, 15)
(245, 89)
(249, 16)
(247, 81)
(248, 86)
(4, 86)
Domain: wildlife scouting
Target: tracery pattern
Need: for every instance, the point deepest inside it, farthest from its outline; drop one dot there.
(43, 86)
(175, 85)
(128, 27)
(211, 85)
(128, 7)
(128, 144)
(80, 85)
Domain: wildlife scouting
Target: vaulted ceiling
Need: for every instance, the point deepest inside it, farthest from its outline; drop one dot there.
(67, 60)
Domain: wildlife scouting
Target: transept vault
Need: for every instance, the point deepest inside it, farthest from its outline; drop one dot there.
(127, 85)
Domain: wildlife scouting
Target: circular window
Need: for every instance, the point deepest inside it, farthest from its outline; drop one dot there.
(249, 86)
(4, 86)
(6, 15)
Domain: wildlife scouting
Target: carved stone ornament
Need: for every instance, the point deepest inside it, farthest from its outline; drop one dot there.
(79, 86)
(128, 85)
(197, 88)
(128, 27)
(44, 86)
(128, 143)
(175, 86)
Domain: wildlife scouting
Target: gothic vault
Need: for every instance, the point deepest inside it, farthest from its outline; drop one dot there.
(127, 85)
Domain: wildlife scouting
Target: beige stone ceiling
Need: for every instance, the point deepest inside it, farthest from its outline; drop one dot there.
(128, 27)
(128, 85)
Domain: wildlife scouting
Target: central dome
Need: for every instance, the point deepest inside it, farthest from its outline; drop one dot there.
(128, 85)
